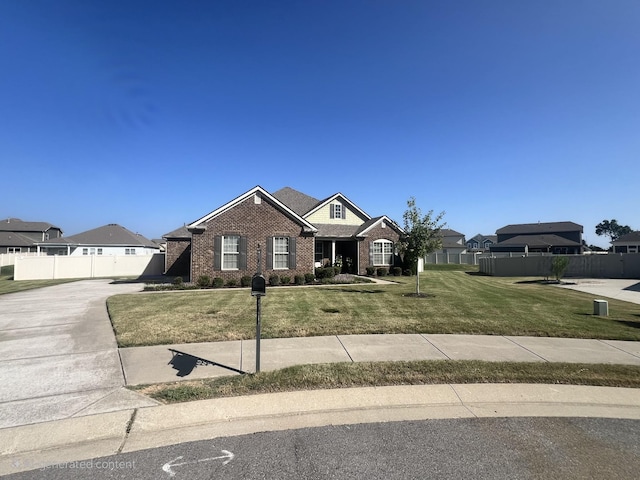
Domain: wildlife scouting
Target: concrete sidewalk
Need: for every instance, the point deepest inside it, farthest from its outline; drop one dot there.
(145, 365)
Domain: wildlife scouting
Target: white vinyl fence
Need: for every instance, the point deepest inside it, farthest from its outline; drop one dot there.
(87, 266)
(10, 258)
(473, 258)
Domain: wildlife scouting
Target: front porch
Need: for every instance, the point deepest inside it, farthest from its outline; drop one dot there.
(343, 252)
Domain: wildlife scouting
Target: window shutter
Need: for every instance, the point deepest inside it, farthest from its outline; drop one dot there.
(292, 252)
(370, 253)
(269, 261)
(332, 211)
(217, 252)
(242, 260)
(344, 212)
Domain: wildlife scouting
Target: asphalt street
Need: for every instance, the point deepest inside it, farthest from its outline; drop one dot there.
(489, 448)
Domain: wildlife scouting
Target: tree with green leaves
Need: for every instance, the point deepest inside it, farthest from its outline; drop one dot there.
(421, 237)
(611, 229)
(559, 266)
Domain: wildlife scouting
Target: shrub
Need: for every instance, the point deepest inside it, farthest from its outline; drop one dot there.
(326, 272)
(284, 280)
(382, 272)
(397, 271)
(232, 282)
(371, 271)
(178, 281)
(406, 272)
(309, 278)
(203, 281)
(274, 280)
(245, 281)
(218, 282)
(298, 279)
(337, 270)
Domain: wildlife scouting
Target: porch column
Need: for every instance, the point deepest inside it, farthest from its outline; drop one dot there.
(333, 252)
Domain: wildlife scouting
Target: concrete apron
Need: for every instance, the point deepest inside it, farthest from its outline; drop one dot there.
(59, 354)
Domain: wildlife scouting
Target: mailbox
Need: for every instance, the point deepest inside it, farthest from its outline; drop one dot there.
(258, 286)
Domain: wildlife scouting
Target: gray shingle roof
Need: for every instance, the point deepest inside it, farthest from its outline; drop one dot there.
(628, 237)
(14, 239)
(181, 232)
(539, 241)
(295, 200)
(550, 227)
(17, 225)
(112, 234)
(337, 231)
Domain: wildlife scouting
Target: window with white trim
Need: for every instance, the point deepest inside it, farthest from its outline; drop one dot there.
(14, 249)
(337, 210)
(99, 251)
(230, 252)
(129, 251)
(280, 253)
(382, 252)
(85, 251)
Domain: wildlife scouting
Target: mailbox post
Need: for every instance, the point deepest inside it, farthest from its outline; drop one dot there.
(258, 290)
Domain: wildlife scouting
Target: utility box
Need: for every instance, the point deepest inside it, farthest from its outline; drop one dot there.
(601, 308)
(258, 286)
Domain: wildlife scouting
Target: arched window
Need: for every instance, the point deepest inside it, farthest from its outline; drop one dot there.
(382, 252)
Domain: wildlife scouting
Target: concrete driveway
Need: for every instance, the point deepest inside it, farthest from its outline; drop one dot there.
(627, 290)
(59, 357)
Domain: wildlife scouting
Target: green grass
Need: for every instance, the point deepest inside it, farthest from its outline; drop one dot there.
(344, 375)
(459, 302)
(9, 285)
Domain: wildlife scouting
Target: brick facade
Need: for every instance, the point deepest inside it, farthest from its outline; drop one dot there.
(178, 257)
(257, 222)
(364, 247)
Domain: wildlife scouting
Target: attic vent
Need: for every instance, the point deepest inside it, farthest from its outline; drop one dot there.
(256, 199)
(384, 225)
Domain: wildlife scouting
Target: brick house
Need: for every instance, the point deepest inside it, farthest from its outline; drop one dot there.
(295, 233)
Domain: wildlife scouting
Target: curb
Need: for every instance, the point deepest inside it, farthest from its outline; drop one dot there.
(35, 446)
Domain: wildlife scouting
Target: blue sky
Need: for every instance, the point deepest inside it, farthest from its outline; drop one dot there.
(151, 114)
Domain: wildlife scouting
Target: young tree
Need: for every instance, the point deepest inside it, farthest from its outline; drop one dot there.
(611, 229)
(422, 235)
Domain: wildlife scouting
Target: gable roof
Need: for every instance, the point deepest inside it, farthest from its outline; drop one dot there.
(333, 197)
(369, 224)
(447, 232)
(295, 200)
(17, 225)
(539, 228)
(111, 234)
(628, 237)
(264, 195)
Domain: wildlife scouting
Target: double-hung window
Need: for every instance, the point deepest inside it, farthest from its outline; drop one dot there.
(280, 253)
(382, 252)
(230, 252)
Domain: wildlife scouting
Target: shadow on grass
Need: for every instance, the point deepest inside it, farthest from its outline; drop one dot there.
(361, 290)
(545, 282)
(478, 274)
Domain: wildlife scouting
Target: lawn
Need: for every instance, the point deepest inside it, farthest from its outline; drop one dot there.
(366, 374)
(459, 302)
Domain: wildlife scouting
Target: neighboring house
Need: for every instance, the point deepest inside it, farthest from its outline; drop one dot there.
(629, 243)
(452, 242)
(553, 237)
(294, 232)
(111, 239)
(17, 236)
(481, 243)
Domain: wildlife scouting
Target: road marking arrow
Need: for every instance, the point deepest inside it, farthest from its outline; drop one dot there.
(167, 467)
